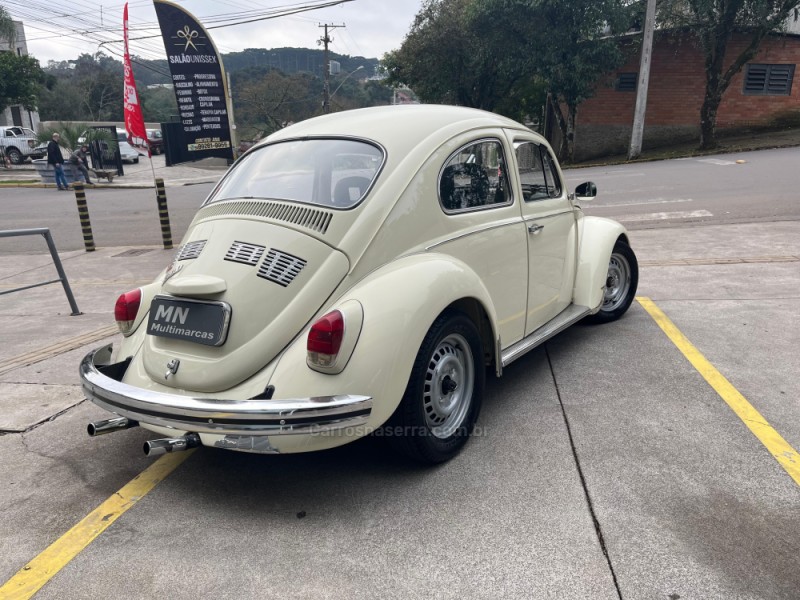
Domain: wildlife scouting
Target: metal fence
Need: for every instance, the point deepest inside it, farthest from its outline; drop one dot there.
(62, 277)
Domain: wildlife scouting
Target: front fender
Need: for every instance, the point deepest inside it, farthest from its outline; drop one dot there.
(400, 301)
(597, 238)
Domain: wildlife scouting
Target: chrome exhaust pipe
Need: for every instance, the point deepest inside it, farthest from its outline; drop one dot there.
(159, 447)
(110, 426)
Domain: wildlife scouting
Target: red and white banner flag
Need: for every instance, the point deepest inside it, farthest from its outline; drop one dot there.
(134, 122)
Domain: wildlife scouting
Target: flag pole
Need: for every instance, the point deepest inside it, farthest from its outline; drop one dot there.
(134, 121)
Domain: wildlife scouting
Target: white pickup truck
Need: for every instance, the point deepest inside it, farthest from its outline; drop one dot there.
(17, 143)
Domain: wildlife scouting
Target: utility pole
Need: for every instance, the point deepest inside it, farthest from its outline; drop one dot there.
(644, 81)
(326, 89)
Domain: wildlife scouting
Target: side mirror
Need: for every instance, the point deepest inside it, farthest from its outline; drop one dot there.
(585, 191)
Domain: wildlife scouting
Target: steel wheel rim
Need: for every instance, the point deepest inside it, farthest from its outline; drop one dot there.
(449, 383)
(618, 282)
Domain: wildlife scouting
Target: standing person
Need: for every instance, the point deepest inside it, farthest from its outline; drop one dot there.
(78, 159)
(55, 158)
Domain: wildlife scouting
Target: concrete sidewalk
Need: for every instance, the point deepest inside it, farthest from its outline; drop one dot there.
(42, 342)
(138, 175)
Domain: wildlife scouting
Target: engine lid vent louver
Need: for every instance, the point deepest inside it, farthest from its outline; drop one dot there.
(191, 250)
(280, 267)
(242, 252)
(303, 216)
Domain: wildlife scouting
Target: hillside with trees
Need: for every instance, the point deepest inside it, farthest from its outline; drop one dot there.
(270, 88)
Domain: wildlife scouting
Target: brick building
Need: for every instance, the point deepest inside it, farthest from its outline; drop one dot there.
(759, 95)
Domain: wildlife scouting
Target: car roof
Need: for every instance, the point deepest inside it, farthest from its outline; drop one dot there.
(395, 127)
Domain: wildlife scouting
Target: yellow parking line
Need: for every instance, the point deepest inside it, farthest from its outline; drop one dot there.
(786, 456)
(30, 578)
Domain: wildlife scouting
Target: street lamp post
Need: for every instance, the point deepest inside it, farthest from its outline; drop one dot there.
(341, 83)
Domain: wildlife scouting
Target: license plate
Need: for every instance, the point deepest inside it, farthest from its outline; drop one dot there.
(191, 320)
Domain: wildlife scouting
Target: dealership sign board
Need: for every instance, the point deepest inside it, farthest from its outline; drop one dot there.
(199, 82)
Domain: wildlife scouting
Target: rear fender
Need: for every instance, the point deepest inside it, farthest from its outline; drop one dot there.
(597, 238)
(400, 302)
(130, 344)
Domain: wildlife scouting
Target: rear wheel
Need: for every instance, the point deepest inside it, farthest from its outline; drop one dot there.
(442, 400)
(621, 282)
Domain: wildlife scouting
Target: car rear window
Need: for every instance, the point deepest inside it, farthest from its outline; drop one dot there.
(335, 173)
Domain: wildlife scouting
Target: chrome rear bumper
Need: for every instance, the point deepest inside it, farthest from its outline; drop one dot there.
(102, 385)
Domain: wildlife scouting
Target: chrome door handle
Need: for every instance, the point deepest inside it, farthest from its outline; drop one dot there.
(534, 229)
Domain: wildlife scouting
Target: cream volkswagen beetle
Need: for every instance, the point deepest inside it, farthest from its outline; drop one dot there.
(360, 272)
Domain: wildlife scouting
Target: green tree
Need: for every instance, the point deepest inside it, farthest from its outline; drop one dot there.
(459, 52)
(88, 88)
(714, 22)
(576, 46)
(99, 80)
(158, 105)
(60, 102)
(268, 101)
(8, 31)
(20, 80)
(508, 55)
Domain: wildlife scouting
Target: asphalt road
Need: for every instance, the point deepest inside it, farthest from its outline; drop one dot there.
(704, 190)
(605, 466)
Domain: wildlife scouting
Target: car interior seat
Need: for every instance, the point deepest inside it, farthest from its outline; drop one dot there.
(349, 190)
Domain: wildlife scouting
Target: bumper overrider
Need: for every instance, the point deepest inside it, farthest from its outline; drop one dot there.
(102, 384)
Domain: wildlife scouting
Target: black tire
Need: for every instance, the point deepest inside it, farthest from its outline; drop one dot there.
(15, 156)
(136, 161)
(443, 398)
(621, 283)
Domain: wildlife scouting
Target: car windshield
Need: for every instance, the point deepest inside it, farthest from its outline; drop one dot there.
(335, 173)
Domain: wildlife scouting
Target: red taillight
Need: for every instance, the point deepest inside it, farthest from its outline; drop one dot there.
(126, 309)
(325, 339)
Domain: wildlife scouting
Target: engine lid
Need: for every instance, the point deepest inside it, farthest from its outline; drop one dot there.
(270, 280)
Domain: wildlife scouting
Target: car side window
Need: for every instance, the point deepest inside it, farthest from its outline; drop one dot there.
(537, 173)
(551, 174)
(475, 177)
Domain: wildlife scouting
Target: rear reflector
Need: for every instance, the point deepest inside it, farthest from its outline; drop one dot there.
(325, 339)
(126, 309)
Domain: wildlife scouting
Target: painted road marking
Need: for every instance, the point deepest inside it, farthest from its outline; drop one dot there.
(733, 260)
(786, 456)
(644, 202)
(660, 216)
(30, 578)
(716, 161)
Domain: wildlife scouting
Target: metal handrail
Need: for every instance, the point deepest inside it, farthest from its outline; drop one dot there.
(62, 276)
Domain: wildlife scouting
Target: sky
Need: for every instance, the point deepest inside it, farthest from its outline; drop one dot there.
(372, 27)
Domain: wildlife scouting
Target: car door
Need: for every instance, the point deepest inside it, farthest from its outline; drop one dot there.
(549, 220)
(484, 229)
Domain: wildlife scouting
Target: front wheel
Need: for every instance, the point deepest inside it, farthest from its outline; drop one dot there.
(443, 398)
(621, 282)
(14, 155)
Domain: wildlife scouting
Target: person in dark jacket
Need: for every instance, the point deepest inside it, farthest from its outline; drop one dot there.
(55, 158)
(79, 160)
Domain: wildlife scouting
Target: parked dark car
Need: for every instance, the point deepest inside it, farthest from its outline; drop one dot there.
(38, 152)
(155, 140)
